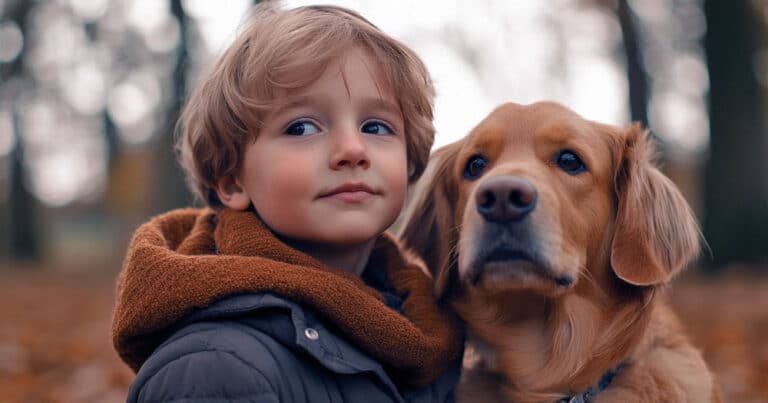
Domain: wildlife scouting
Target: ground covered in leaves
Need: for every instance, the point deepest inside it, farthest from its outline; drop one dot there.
(55, 345)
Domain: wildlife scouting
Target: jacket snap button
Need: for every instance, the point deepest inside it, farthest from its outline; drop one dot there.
(311, 334)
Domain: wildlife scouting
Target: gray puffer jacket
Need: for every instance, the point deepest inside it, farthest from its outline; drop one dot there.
(264, 348)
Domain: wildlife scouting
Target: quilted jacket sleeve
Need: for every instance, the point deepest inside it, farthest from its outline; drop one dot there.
(206, 376)
(201, 364)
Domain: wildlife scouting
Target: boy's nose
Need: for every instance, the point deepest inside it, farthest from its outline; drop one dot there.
(349, 150)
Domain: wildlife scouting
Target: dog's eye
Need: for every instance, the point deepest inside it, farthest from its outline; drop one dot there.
(569, 162)
(475, 167)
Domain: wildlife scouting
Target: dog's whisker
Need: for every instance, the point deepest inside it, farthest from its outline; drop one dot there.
(586, 274)
(456, 229)
(589, 277)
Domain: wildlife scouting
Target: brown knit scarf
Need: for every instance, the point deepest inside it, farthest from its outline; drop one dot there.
(172, 268)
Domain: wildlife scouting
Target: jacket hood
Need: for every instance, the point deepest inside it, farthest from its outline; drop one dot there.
(186, 260)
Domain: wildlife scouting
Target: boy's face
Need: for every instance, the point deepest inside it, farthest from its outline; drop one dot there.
(329, 164)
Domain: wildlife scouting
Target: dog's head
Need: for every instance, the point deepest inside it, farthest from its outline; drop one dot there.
(537, 198)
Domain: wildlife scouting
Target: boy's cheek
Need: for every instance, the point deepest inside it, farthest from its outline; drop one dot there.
(398, 182)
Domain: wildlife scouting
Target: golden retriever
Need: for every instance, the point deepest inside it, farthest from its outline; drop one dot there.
(552, 237)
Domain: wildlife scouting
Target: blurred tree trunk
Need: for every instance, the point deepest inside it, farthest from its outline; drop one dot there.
(24, 242)
(736, 178)
(636, 77)
(170, 190)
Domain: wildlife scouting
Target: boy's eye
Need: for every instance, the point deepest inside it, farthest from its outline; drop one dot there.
(376, 127)
(301, 128)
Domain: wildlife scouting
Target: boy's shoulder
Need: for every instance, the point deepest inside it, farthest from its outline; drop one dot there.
(239, 346)
(253, 325)
(250, 327)
(272, 350)
(207, 360)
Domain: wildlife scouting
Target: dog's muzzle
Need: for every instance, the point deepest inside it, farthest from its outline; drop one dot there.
(507, 246)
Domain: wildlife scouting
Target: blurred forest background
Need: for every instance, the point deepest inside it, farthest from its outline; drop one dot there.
(90, 91)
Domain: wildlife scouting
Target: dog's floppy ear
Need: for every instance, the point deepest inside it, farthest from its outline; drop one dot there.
(656, 234)
(428, 225)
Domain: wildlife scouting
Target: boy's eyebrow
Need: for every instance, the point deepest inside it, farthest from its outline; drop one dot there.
(291, 102)
(380, 103)
(304, 100)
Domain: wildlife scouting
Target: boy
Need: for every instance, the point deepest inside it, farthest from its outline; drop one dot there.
(302, 141)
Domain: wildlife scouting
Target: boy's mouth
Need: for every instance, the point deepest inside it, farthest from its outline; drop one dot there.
(354, 191)
(351, 197)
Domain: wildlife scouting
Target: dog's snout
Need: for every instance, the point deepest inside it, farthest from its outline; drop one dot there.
(505, 198)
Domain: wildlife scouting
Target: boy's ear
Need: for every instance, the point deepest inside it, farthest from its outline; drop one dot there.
(232, 194)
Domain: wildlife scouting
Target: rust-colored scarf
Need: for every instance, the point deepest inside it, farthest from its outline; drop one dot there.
(187, 259)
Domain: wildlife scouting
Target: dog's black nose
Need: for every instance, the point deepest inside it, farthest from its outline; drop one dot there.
(505, 198)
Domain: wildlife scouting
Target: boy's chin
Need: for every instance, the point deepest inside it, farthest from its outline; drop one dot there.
(338, 238)
(335, 231)
(343, 240)
(347, 233)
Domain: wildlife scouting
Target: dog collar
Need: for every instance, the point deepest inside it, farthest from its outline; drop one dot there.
(592, 391)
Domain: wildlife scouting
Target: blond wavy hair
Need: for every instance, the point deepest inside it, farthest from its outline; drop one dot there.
(225, 112)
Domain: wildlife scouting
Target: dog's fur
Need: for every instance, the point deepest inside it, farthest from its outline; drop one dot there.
(579, 294)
